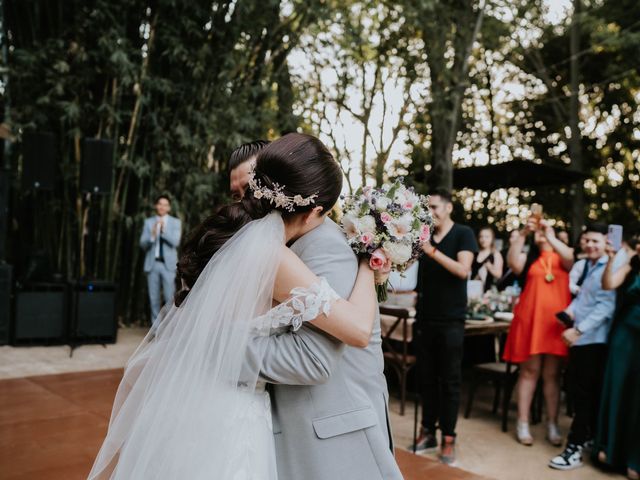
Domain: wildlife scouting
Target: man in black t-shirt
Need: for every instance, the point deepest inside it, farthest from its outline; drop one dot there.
(443, 290)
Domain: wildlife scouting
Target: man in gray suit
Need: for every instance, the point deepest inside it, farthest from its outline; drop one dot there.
(329, 400)
(160, 239)
(241, 162)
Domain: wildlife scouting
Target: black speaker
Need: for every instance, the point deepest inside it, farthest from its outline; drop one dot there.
(93, 319)
(5, 302)
(41, 314)
(4, 212)
(97, 165)
(38, 160)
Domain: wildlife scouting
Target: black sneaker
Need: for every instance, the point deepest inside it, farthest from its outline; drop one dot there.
(569, 459)
(426, 442)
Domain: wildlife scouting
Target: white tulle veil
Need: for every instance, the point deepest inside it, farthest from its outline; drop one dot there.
(176, 411)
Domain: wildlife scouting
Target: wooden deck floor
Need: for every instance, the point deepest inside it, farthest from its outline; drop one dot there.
(52, 426)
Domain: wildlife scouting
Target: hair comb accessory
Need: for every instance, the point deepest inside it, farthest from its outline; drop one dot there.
(276, 195)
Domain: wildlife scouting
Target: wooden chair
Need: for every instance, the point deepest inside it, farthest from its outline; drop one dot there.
(396, 325)
(503, 376)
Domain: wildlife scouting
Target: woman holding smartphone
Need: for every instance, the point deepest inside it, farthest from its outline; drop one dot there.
(487, 263)
(535, 336)
(617, 440)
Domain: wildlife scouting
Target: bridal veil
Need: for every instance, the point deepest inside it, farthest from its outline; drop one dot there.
(176, 413)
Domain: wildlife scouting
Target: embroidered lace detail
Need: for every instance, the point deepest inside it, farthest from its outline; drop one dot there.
(305, 304)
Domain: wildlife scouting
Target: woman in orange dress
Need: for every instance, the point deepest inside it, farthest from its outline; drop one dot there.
(535, 336)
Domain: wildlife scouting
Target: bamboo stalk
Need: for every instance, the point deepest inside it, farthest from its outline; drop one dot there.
(79, 209)
(115, 208)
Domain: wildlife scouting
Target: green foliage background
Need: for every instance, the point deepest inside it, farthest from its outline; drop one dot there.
(177, 85)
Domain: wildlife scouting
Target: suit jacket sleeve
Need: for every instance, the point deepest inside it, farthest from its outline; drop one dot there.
(309, 356)
(145, 237)
(172, 235)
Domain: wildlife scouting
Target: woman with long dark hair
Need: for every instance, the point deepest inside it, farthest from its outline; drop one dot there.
(535, 336)
(191, 403)
(487, 262)
(617, 440)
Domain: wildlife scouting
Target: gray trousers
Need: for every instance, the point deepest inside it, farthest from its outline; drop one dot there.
(160, 277)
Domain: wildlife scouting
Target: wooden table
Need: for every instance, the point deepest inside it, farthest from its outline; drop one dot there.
(497, 327)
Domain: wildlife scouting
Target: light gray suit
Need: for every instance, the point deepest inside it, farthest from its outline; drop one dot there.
(160, 273)
(329, 400)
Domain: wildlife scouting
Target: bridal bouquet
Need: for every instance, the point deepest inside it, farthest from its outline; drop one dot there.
(388, 224)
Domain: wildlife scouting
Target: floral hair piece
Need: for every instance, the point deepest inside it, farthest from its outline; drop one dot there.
(276, 195)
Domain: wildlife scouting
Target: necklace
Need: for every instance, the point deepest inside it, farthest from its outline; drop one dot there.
(549, 276)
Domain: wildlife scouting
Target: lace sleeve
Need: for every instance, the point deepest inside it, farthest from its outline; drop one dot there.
(303, 305)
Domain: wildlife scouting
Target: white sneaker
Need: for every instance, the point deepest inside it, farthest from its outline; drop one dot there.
(523, 434)
(553, 434)
(569, 459)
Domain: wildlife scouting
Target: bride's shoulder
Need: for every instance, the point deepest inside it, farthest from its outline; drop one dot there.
(288, 256)
(292, 272)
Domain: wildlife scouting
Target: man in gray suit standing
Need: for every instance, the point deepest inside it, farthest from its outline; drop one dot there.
(329, 400)
(160, 239)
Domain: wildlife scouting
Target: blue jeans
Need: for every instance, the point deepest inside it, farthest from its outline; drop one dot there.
(160, 278)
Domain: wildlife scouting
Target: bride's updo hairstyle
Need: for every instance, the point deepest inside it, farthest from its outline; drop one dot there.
(297, 163)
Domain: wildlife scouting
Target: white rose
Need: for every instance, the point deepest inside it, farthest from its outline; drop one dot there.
(412, 197)
(400, 195)
(382, 203)
(367, 224)
(398, 253)
(350, 225)
(400, 227)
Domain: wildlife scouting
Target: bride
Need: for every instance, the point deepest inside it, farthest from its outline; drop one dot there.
(191, 403)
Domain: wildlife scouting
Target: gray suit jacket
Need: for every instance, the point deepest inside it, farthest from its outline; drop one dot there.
(170, 237)
(329, 400)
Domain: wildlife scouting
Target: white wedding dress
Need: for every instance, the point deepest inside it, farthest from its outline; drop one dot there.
(191, 404)
(256, 459)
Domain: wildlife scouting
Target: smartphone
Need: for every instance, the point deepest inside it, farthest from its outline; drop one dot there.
(536, 212)
(615, 236)
(565, 319)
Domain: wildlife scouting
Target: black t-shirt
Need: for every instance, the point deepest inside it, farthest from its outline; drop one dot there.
(444, 295)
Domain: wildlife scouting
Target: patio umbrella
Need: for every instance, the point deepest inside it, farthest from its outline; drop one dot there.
(516, 173)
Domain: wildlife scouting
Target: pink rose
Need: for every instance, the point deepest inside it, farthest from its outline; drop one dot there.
(378, 260)
(408, 205)
(385, 217)
(425, 234)
(367, 238)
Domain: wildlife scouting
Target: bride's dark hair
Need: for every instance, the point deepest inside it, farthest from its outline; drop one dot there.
(299, 163)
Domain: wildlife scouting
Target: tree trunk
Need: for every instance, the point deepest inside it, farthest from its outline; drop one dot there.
(577, 217)
(447, 92)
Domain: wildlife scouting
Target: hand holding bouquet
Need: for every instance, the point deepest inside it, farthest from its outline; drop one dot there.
(388, 224)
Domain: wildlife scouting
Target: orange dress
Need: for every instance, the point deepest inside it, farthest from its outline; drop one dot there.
(535, 329)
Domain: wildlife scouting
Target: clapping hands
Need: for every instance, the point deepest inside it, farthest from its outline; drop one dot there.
(158, 229)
